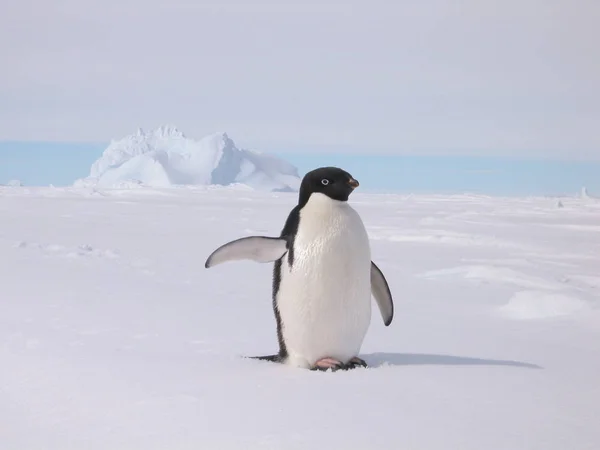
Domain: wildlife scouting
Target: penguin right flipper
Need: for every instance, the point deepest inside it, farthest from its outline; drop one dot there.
(261, 249)
(382, 294)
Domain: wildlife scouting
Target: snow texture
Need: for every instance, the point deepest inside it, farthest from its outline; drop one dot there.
(165, 157)
(113, 335)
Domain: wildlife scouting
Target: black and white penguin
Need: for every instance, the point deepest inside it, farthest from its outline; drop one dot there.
(323, 276)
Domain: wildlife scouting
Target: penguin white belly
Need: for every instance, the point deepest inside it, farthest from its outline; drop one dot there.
(324, 298)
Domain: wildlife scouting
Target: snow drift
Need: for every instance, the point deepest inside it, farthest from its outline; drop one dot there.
(166, 157)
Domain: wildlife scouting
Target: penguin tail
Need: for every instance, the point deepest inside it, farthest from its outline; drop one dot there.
(272, 358)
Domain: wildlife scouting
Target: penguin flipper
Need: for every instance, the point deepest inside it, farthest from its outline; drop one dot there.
(261, 249)
(382, 294)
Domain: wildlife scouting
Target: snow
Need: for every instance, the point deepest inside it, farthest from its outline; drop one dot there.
(113, 335)
(164, 157)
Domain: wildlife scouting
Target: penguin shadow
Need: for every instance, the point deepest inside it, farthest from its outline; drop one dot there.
(424, 359)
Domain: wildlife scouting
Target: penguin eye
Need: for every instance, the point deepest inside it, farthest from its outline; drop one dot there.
(324, 181)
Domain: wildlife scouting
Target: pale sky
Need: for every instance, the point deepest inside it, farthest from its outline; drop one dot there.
(423, 76)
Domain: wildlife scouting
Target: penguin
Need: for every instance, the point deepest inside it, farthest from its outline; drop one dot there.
(323, 275)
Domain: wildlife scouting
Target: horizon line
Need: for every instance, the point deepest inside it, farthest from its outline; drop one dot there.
(293, 149)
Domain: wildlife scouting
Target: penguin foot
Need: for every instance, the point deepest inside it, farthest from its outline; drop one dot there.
(325, 364)
(333, 364)
(356, 362)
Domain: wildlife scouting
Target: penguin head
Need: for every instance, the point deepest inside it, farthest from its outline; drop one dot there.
(333, 182)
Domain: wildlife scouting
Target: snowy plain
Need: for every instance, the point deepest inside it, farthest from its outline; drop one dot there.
(114, 336)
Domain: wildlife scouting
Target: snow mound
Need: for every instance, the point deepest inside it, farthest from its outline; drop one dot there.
(527, 305)
(165, 157)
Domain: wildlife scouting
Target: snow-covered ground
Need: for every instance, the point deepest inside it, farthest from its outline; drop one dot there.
(114, 336)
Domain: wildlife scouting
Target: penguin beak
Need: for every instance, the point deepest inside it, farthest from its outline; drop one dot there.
(353, 183)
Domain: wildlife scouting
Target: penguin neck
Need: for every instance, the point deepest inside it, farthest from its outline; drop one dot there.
(306, 195)
(321, 202)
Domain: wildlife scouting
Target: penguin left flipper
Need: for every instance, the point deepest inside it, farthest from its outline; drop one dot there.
(382, 294)
(261, 249)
